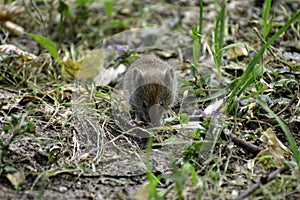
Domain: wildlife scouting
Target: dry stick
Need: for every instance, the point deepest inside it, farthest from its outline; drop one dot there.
(241, 143)
(236, 140)
(261, 182)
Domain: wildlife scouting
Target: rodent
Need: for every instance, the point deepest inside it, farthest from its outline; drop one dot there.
(150, 87)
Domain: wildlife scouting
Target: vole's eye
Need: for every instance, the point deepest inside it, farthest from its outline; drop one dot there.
(161, 103)
(145, 104)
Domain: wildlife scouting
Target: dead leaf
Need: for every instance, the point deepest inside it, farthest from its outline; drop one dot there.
(70, 68)
(87, 68)
(16, 179)
(213, 107)
(143, 191)
(237, 51)
(106, 76)
(251, 107)
(273, 140)
(91, 64)
(275, 148)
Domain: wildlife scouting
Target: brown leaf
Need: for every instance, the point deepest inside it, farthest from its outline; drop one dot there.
(16, 178)
(237, 51)
(143, 191)
(87, 68)
(275, 148)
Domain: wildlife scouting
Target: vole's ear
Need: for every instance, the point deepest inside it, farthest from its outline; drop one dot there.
(169, 76)
(138, 77)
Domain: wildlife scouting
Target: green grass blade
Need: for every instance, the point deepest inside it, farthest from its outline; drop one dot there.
(285, 129)
(47, 44)
(108, 7)
(219, 33)
(197, 36)
(242, 80)
(200, 16)
(254, 75)
(196, 46)
(267, 25)
(238, 44)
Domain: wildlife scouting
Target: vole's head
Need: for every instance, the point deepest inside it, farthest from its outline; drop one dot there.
(154, 94)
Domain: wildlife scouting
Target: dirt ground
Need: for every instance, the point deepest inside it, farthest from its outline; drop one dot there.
(66, 138)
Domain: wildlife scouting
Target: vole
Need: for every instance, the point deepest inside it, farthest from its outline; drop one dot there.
(150, 87)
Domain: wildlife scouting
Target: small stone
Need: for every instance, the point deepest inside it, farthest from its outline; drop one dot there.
(62, 189)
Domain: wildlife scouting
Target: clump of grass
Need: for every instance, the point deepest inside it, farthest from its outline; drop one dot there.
(16, 125)
(185, 177)
(248, 77)
(254, 71)
(285, 129)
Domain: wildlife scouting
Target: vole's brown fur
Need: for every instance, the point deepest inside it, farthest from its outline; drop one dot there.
(150, 86)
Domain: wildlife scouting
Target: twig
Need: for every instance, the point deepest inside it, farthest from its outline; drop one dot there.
(262, 181)
(241, 143)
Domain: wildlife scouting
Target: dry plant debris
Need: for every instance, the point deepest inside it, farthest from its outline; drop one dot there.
(64, 138)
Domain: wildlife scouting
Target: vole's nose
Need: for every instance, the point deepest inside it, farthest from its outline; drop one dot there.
(155, 114)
